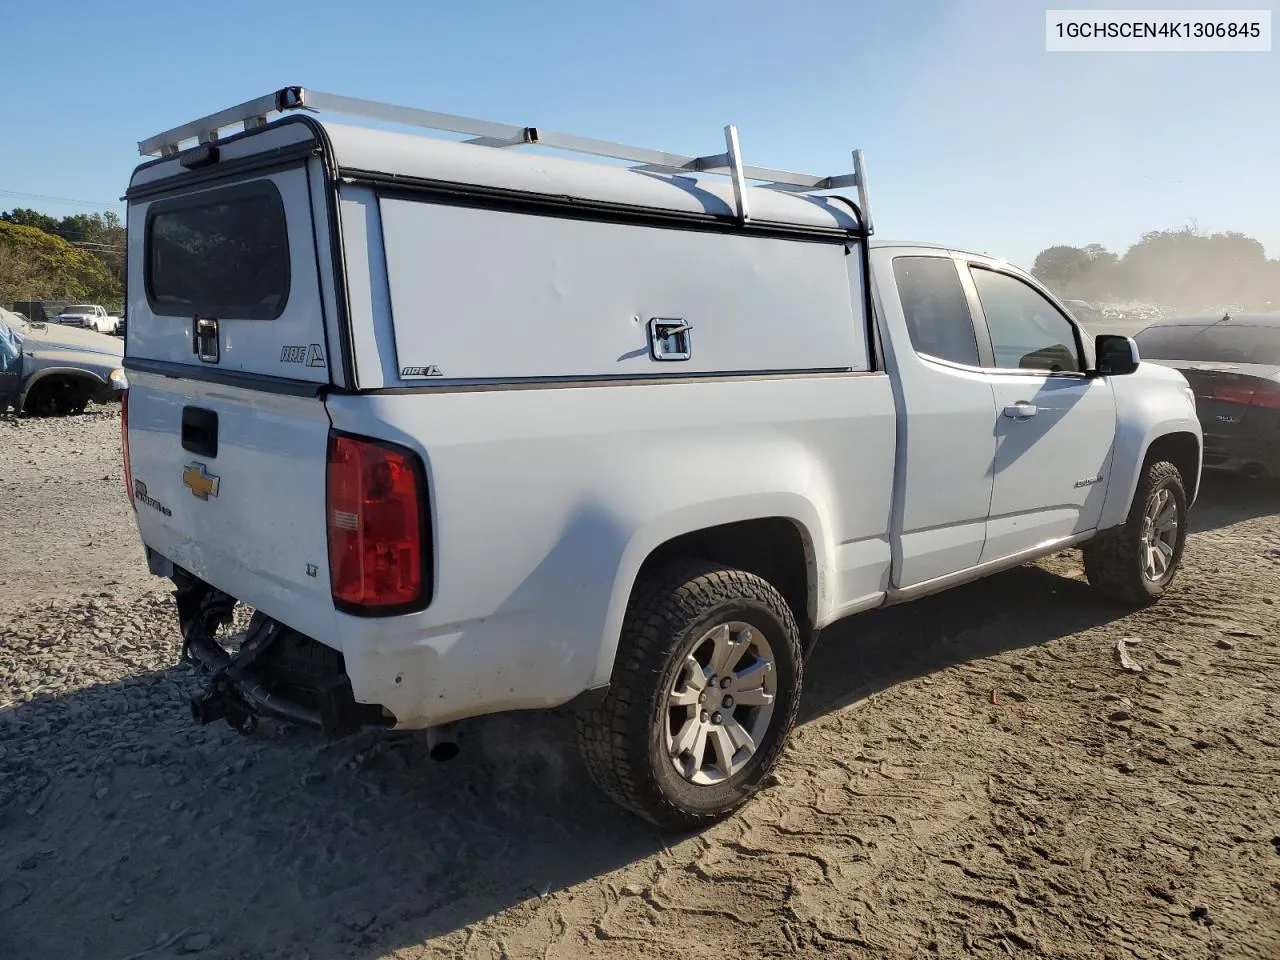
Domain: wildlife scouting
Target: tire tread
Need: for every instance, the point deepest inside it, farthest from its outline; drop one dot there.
(613, 736)
(1111, 562)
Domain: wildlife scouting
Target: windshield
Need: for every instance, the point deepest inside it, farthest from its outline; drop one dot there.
(78, 308)
(1212, 343)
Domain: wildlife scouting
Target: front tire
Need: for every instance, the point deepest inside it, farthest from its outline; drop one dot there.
(663, 744)
(1137, 562)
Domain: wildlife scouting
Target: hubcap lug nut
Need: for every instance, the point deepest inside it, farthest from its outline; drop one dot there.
(728, 702)
(724, 684)
(704, 716)
(716, 719)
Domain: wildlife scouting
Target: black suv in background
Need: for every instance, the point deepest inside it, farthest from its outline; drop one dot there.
(1233, 364)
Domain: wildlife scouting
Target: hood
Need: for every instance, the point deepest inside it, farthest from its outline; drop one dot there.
(56, 336)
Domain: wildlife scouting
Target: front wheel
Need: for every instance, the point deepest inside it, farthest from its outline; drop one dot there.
(1136, 562)
(704, 692)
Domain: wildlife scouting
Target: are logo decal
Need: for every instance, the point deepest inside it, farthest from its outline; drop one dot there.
(431, 370)
(312, 355)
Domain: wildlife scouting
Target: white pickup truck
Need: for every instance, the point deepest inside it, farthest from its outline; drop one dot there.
(472, 428)
(91, 316)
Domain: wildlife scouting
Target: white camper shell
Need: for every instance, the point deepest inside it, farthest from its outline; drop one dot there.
(476, 428)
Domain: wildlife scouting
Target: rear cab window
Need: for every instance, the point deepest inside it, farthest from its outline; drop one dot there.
(936, 309)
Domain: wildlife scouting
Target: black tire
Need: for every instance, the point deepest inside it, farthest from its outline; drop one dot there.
(1114, 562)
(623, 740)
(42, 401)
(52, 398)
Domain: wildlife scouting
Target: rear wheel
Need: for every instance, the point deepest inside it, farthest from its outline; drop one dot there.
(1136, 562)
(704, 692)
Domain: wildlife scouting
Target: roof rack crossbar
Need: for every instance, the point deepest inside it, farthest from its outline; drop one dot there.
(254, 113)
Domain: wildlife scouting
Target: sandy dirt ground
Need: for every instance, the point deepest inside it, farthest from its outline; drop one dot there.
(973, 775)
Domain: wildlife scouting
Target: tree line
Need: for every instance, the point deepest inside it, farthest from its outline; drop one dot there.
(1185, 270)
(78, 258)
(82, 257)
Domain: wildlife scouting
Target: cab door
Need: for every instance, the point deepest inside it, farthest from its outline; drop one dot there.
(1055, 425)
(946, 447)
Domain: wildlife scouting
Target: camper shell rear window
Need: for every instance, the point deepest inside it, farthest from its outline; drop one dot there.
(219, 253)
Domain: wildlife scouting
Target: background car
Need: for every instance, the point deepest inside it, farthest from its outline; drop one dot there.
(1232, 362)
(118, 322)
(1085, 312)
(91, 316)
(50, 370)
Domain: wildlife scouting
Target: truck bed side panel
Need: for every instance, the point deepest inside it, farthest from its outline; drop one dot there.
(546, 502)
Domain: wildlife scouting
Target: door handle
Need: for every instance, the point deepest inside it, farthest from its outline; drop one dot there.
(200, 431)
(669, 339)
(1021, 410)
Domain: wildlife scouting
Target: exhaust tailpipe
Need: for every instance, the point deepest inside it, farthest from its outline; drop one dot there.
(442, 742)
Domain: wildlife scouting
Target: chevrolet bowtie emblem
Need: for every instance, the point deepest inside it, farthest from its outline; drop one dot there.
(203, 485)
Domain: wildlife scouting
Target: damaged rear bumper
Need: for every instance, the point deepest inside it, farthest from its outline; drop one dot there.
(276, 672)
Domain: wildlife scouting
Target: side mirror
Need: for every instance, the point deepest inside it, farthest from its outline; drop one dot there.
(1116, 355)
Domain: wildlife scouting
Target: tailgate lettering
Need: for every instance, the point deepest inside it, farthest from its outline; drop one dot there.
(140, 494)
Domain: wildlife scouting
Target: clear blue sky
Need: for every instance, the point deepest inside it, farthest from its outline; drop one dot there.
(974, 135)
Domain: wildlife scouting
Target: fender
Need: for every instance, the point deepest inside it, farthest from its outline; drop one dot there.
(797, 506)
(1152, 402)
(78, 373)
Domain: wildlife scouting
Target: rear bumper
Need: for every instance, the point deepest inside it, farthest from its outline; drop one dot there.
(276, 671)
(1252, 455)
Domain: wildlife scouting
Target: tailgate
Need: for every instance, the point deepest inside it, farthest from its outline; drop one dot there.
(227, 361)
(229, 483)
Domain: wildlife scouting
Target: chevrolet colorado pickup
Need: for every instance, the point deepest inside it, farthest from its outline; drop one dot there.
(474, 428)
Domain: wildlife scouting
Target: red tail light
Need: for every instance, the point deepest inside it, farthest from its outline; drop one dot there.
(1267, 398)
(378, 532)
(124, 447)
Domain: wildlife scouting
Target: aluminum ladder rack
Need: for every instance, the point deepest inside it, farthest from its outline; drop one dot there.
(253, 114)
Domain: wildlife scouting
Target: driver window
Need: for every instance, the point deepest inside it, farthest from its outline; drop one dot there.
(1027, 331)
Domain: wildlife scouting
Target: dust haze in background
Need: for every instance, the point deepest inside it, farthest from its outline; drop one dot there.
(1012, 149)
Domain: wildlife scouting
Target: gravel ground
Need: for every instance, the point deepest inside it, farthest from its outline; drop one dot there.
(974, 774)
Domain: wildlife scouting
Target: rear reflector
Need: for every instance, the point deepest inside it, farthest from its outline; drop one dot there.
(124, 447)
(376, 519)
